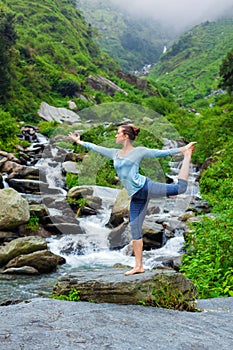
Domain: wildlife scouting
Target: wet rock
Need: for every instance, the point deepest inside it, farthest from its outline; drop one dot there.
(29, 186)
(43, 261)
(186, 216)
(38, 210)
(64, 228)
(119, 237)
(7, 236)
(90, 201)
(70, 167)
(14, 209)
(19, 246)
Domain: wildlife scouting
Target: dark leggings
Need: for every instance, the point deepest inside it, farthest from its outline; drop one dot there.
(140, 200)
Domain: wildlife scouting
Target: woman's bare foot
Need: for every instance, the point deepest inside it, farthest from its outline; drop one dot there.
(134, 271)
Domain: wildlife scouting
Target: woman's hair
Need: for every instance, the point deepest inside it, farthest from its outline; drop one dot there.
(131, 131)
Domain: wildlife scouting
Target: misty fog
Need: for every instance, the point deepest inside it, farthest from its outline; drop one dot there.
(177, 13)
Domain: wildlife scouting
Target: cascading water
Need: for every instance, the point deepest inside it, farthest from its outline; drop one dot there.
(91, 249)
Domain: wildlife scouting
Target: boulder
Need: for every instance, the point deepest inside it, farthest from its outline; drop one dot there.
(43, 261)
(87, 192)
(25, 172)
(14, 209)
(19, 246)
(7, 236)
(29, 186)
(102, 84)
(38, 210)
(70, 167)
(60, 115)
(112, 286)
(65, 228)
(120, 209)
(119, 237)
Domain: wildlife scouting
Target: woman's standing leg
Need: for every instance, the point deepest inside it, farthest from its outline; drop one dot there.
(138, 251)
(138, 207)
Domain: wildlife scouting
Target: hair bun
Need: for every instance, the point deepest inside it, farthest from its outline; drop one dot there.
(136, 130)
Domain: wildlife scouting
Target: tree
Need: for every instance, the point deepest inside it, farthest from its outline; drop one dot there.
(8, 40)
(226, 73)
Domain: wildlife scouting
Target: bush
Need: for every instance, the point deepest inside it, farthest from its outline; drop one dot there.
(209, 259)
(8, 130)
(67, 88)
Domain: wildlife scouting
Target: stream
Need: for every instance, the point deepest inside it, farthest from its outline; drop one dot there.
(91, 250)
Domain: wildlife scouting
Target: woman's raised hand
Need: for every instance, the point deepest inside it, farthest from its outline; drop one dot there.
(74, 136)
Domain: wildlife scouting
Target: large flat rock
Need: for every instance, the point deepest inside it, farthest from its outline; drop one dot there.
(112, 286)
(53, 324)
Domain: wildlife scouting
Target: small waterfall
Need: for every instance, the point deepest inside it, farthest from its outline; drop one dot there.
(5, 184)
(91, 249)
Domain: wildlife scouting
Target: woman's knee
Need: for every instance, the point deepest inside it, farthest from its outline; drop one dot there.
(136, 231)
(182, 186)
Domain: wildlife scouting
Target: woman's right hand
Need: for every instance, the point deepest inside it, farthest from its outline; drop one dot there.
(75, 137)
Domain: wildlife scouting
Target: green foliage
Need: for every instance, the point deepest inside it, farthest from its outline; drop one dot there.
(208, 261)
(165, 295)
(216, 182)
(209, 258)
(8, 40)
(191, 66)
(131, 40)
(53, 54)
(74, 295)
(67, 87)
(8, 130)
(160, 105)
(226, 72)
(106, 175)
(33, 224)
(48, 128)
(71, 180)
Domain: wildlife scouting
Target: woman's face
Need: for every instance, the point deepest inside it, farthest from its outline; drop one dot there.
(120, 136)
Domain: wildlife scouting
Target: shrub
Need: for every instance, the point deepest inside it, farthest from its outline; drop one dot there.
(8, 130)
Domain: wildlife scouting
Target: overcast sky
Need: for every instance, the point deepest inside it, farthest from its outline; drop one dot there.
(178, 13)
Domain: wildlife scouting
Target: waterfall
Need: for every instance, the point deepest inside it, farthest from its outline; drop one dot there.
(91, 250)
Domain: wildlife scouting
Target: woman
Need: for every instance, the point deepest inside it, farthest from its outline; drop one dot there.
(140, 188)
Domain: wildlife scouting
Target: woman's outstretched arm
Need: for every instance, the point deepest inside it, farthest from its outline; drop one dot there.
(104, 151)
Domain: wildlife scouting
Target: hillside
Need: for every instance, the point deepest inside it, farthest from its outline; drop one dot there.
(131, 40)
(54, 48)
(191, 66)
